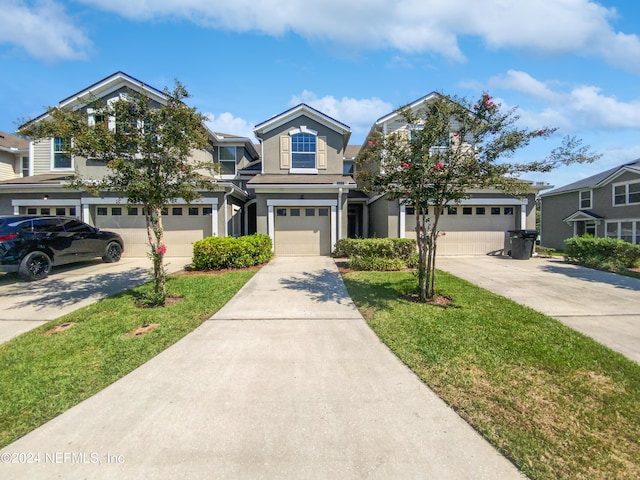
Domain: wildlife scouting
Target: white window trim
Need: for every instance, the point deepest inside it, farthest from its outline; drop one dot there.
(228, 176)
(580, 207)
(626, 193)
(308, 171)
(53, 158)
(635, 222)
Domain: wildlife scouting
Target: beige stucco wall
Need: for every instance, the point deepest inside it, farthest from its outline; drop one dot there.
(334, 141)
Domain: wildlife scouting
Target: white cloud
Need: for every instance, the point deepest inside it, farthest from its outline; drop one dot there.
(581, 27)
(43, 30)
(359, 114)
(582, 107)
(227, 123)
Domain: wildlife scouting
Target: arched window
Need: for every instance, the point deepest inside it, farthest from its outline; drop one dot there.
(303, 150)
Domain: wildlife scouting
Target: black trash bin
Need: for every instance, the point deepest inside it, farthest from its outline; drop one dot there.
(522, 243)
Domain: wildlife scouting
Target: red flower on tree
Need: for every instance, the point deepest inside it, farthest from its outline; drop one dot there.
(162, 249)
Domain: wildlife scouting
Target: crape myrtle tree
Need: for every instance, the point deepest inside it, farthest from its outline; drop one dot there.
(146, 147)
(452, 145)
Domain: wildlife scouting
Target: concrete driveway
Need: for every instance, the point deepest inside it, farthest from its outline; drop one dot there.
(602, 305)
(27, 305)
(286, 381)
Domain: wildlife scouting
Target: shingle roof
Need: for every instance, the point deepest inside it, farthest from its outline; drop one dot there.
(592, 181)
(274, 179)
(351, 151)
(10, 141)
(44, 179)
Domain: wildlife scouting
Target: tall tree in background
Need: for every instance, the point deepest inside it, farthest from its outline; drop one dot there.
(452, 145)
(146, 148)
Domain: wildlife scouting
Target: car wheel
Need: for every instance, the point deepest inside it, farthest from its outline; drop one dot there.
(35, 266)
(112, 253)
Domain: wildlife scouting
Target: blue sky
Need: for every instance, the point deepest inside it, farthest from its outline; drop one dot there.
(572, 64)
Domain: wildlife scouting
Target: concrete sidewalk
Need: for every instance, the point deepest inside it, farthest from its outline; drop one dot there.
(286, 381)
(602, 305)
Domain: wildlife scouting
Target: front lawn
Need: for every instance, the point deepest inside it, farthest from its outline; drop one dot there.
(557, 403)
(42, 375)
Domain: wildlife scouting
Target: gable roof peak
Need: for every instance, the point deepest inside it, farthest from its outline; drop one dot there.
(296, 111)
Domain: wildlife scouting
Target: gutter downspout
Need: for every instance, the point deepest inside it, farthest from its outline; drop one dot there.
(339, 213)
(261, 155)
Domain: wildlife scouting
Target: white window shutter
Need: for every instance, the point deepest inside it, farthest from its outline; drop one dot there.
(321, 153)
(285, 152)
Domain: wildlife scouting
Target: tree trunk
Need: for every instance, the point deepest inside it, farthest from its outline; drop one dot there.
(155, 233)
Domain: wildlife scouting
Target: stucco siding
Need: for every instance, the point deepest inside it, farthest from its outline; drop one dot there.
(554, 209)
(272, 145)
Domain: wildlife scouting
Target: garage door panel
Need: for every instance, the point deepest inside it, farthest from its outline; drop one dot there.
(305, 233)
(180, 230)
(468, 243)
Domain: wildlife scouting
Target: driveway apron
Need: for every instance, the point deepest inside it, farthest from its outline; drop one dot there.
(602, 305)
(286, 381)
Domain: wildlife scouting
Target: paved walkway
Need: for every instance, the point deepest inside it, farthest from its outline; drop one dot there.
(286, 381)
(602, 305)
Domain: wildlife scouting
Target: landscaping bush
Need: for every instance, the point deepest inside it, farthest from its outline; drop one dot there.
(602, 253)
(394, 248)
(379, 264)
(214, 253)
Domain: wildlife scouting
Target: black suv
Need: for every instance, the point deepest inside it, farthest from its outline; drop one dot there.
(32, 244)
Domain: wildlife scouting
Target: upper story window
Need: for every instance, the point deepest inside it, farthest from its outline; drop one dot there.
(24, 166)
(348, 167)
(626, 193)
(227, 160)
(61, 154)
(586, 199)
(303, 150)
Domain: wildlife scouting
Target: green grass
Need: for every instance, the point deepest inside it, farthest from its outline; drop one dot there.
(44, 375)
(558, 404)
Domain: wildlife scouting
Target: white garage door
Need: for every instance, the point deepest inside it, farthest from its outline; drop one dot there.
(183, 225)
(470, 230)
(302, 231)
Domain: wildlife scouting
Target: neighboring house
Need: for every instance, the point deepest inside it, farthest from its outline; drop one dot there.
(603, 205)
(50, 167)
(297, 186)
(475, 226)
(14, 156)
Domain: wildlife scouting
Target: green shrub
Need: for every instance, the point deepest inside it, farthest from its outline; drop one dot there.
(379, 264)
(602, 253)
(214, 253)
(394, 248)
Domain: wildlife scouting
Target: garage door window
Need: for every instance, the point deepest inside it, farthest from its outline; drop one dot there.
(193, 211)
(323, 212)
(310, 212)
(295, 212)
(102, 211)
(281, 212)
(132, 211)
(176, 211)
(116, 211)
